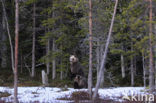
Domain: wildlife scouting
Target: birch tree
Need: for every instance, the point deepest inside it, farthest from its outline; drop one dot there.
(90, 49)
(34, 39)
(53, 49)
(102, 66)
(132, 67)
(47, 53)
(53, 61)
(122, 65)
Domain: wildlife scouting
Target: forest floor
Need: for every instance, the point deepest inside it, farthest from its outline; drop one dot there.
(66, 95)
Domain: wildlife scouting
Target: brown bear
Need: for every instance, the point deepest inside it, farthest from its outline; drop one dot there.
(75, 67)
(80, 82)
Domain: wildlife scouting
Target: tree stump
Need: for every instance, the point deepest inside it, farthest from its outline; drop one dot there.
(44, 78)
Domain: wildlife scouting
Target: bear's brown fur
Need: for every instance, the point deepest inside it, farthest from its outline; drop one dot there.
(75, 67)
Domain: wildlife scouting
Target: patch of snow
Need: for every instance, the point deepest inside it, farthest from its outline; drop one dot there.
(115, 93)
(50, 94)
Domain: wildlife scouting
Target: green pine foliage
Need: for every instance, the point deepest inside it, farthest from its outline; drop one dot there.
(66, 23)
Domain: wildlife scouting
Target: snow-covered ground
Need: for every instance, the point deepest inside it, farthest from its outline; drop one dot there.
(50, 95)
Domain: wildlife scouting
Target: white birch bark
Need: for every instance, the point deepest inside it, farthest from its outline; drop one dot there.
(122, 66)
(97, 58)
(44, 78)
(33, 41)
(105, 53)
(132, 68)
(53, 62)
(47, 53)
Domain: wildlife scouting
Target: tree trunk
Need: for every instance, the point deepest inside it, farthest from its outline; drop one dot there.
(132, 67)
(134, 63)
(9, 35)
(105, 53)
(44, 78)
(102, 80)
(144, 69)
(102, 76)
(151, 68)
(61, 72)
(53, 49)
(132, 72)
(53, 61)
(16, 49)
(33, 41)
(47, 52)
(21, 63)
(155, 56)
(122, 66)
(67, 68)
(90, 50)
(97, 58)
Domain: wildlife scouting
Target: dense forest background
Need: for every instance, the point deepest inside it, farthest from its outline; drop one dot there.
(52, 30)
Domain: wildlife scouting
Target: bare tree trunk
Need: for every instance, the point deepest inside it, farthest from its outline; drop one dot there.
(132, 68)
(53, 49)
(132, 72)
(122, 66)
(44, 78)
(47, 52)
(155, 56)
(102, 80)
(16, 49)
(144, 69)
(102, 76)
(61, 72)
(67, 68)
(9, 35)
(90, 50)
(33, 42)
(151, 68)
(53, 62)
(134, 63)
(105, 53)
(21, 63)
(97, 58)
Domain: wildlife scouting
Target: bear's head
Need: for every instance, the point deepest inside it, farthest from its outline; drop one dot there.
(73, 59)
(77, 78)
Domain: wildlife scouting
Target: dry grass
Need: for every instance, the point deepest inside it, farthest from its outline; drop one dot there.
(83, 97)
(4, 94)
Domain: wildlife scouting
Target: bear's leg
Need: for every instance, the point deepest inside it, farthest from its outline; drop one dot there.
(76, 86)
(71, 75)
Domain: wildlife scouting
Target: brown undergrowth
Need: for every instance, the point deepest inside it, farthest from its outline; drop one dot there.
(83, 97)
